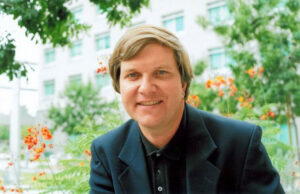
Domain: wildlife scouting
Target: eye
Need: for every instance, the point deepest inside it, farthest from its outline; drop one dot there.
(132, 75)
(161, 72)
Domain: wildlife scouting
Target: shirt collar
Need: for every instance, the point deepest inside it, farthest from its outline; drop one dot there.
(174, 148)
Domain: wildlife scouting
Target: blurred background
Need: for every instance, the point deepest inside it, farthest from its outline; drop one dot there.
(245, 56)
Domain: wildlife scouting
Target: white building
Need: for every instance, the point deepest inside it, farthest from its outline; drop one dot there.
(79, 63)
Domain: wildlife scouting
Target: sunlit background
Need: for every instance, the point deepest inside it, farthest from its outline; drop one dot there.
(52, 69)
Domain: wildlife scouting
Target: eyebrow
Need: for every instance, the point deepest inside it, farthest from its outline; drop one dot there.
(129, 70)
(156, 68)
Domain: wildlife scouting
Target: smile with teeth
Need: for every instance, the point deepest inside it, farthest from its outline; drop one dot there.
(150, 103)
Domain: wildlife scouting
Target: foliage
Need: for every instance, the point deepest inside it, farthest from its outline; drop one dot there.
(199, 67)
(80, 101)
(120, 11)
(229, 98)
(263, 40)
(206, 97)
(4, 135)
(74, 173)
(53, 22)
(266, 34)
(8, 65)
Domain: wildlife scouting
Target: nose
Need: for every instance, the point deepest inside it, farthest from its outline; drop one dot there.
(147, 86)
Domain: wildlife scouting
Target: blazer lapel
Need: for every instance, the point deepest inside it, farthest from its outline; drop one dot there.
(202, 175)
(134, 176)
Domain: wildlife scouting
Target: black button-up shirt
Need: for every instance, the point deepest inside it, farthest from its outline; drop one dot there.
(166, 166)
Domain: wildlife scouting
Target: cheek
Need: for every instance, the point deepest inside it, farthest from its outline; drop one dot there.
(126, 91)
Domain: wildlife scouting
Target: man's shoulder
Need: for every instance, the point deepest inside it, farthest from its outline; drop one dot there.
(116, 136)
(218, 125)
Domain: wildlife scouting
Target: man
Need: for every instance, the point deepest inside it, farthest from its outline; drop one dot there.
(169, 146)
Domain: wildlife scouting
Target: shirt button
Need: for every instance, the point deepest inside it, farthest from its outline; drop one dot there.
(157, 154)
(158, 172)
(160, 188)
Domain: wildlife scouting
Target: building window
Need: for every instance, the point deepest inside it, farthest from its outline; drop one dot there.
(77, 13)
(136, 24)
(174, 23)
(219, 14)
(103, 42)
(76, 49)
(75, 79)
(102, 80)
(219, 59)
(50, 55)
(49, 87)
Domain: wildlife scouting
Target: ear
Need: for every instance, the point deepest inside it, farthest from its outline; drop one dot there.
(184, 88)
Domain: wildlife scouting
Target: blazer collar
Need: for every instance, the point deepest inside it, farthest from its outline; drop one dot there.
(202, 176)
(134, 176)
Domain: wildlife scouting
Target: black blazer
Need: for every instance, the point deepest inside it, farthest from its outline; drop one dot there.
(222, 156)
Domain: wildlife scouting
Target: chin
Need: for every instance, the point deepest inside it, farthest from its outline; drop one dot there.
(149, 123)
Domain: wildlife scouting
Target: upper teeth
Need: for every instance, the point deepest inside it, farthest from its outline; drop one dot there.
(150, 103)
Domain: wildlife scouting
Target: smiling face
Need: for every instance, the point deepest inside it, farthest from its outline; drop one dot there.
(151, 88)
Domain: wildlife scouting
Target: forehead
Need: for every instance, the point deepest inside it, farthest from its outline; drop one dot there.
(152, 55)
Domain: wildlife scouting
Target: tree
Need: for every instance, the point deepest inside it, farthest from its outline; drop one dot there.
(52, 22)
(80, 101)
(264, 41)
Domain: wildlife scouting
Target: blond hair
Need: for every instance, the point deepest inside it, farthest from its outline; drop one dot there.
(134, 40)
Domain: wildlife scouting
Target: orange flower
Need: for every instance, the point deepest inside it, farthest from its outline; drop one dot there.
(271, 114)
(39, 150)
(194, 97)
(221, 80)
(260, 71)
(193, 100)
(12, 190)
(230, 80)
(251, 72)
(46, 133)
(31, 141)
(241, 99)
(102, 69)
(233, 89)
(263, 117)
(221, 93)
(81, 163)
(42, 173)
(217, 84)
(51, 145)
(208, 84)
(2, 188)
(34, 141)
(43, 145)
(34, 178)
(36, 157)
(87, 152)
(297, 162)
(31, 130)
(10, 163)
(1, 181)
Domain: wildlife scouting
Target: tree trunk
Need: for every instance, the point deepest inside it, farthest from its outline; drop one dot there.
(288, 114)
(297, 136)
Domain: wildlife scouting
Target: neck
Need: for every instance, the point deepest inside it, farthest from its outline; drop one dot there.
(160, 136)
